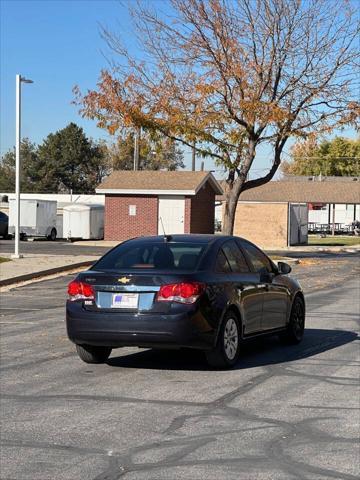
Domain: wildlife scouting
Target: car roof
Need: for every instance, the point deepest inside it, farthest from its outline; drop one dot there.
(184, 238)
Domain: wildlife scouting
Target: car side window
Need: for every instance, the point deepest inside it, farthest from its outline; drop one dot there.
(257, 258)
(235, 258)
(222, 265)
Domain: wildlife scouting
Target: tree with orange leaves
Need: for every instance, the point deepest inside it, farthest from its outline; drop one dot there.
(232, 75)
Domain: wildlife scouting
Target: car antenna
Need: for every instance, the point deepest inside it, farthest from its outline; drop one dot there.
(167, 238)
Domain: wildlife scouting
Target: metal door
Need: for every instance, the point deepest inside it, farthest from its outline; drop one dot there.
(171, 215)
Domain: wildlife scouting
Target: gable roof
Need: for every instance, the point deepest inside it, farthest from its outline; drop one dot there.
(314, 191)
(157, 182)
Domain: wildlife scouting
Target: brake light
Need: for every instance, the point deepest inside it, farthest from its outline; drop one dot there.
(80, 291)
(180, 292)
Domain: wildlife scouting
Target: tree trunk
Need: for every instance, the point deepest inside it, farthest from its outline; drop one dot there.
(232, 193)
(233, 189)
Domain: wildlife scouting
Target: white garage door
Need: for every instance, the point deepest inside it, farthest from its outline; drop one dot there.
(171, 213)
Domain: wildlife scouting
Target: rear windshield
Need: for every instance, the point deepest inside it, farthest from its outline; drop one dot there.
(152, 256)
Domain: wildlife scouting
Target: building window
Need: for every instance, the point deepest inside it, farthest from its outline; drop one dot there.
(132, 210)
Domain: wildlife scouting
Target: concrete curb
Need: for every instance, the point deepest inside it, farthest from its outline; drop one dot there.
(290, 260)
(44, 273)
(286, 259)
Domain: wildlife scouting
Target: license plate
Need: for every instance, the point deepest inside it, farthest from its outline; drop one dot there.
(125, 300)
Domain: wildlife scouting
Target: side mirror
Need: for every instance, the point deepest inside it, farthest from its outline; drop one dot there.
(284, 268)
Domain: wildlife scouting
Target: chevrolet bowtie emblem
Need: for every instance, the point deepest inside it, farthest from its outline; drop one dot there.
(124, 280)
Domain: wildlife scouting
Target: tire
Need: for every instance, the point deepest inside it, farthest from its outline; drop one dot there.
(295, 330)
(52, 235)
(92, 354)
(226, 352)
(22, 236)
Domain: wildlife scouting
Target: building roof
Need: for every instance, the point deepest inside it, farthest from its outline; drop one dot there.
(157, 182)
(313, 191)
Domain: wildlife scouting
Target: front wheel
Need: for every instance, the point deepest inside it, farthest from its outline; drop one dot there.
(226, 352)
(295, 330)
(93, 354)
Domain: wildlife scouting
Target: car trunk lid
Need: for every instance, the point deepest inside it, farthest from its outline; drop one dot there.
(135, 292)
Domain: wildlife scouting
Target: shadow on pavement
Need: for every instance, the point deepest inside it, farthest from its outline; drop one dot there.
(254, 353)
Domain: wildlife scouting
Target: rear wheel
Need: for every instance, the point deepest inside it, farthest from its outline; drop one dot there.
(93, 354)
(226, 352)
(295, 330)
(52, 235)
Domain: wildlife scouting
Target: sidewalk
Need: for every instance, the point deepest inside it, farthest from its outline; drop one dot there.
(32, 265)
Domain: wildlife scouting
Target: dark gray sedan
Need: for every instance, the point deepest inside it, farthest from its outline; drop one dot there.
(207, 292)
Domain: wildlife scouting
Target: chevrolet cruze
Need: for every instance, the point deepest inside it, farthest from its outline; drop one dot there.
(208, 292)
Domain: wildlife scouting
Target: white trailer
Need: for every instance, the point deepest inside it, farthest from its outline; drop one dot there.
(83, 221)
(37, 218)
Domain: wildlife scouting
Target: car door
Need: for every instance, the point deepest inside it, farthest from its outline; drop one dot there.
(276, 295)
(245, 288)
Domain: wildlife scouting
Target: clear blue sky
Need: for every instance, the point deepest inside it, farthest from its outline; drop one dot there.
(57, 44)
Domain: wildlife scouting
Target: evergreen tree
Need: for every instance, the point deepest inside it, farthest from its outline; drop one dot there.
(28, 172)
(68, 160)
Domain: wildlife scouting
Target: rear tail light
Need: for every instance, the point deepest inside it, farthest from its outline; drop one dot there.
(180, 292)
(80, 291)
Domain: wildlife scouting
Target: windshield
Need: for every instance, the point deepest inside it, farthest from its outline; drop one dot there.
(152, 256)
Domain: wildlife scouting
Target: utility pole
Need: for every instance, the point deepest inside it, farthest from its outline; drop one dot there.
(193, 162)
(136, 148)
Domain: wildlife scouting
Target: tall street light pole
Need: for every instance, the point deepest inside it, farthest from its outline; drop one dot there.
(19, 80)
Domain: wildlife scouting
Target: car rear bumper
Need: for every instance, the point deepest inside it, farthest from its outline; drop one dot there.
(114, 329)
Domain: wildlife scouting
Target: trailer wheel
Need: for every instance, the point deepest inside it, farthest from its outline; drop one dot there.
(52, 235)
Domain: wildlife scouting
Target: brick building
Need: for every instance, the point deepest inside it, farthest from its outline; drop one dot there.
(151, 202)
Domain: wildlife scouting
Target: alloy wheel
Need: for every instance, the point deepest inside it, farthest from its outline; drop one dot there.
(231, 338)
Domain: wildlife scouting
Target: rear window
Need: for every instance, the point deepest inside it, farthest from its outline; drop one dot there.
(152, 256)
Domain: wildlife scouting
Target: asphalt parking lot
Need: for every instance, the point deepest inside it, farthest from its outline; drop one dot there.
(282, 413)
